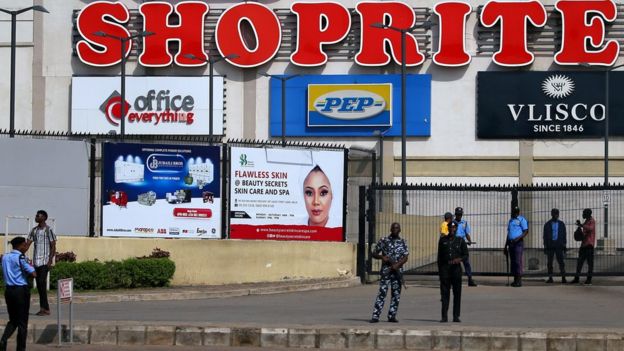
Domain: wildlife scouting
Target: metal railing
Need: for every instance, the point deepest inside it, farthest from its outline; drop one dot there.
(487, 210)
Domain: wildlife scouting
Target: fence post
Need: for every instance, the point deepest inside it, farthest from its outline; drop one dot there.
(92, 188)
(225, 175)
(361, 246)
(514, 197)
(371, 217)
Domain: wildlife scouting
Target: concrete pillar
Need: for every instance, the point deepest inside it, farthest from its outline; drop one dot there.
(38, 79)
(250, 76)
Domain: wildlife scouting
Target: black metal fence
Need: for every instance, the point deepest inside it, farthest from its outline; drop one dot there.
(487, 210)
(360, 169)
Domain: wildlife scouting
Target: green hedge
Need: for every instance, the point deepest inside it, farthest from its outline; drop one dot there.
(130, 273)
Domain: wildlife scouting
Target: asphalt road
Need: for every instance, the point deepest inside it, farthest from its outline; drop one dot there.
(536, 306)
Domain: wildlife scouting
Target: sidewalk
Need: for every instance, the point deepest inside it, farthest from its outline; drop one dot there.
(201, 292)
(534, 317)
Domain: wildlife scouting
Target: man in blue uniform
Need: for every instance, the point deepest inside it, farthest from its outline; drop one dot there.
(517, 230)
(463, 231)
(392, 250)
(16, 271)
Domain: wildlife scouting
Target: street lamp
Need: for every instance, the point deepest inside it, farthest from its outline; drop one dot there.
(283, 79)
(123, 41)
(14, 14)
(210, 61)
(426, 25)
(606, 142)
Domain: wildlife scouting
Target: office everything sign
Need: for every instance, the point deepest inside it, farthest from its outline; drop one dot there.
(547, 105)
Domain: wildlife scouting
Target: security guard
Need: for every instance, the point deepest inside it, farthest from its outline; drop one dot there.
(16, 271)
(393, 252)
(463, 231)
(452, 251)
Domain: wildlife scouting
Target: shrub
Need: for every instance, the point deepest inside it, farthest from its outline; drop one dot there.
(157, 253)
(65, 256)
(130, 273)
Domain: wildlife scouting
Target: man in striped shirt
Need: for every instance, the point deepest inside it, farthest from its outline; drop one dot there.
(45, 249)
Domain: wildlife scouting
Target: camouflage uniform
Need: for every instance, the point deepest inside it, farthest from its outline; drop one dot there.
(395, 249)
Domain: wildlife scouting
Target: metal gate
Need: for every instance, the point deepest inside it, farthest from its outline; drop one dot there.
(487, 210)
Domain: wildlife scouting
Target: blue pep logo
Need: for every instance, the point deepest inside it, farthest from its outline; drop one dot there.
(334, 105)
(350, 104)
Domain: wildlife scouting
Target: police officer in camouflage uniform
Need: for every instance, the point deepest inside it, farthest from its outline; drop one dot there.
(392, 250)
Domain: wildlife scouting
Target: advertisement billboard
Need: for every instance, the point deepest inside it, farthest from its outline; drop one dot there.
(547, 105)
(152, 190)
(154, 105)
(287, 194)
(350, 105)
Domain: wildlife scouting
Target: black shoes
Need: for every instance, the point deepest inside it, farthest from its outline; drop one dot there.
(471, 282)
(393, 320)
(3, 345)
(444, 320)
(575, 280)
(456, 320)
(374, 320)
(550, 280)
(563, 280)
(588, 282)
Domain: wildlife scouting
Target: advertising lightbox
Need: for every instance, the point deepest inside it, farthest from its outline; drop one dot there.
(154, 105)
(287, 194)
(151, 190)
(350, 105)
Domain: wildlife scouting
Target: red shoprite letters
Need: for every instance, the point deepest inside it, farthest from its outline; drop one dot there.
(323, 23)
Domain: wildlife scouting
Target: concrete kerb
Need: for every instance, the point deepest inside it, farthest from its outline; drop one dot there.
(472, 338)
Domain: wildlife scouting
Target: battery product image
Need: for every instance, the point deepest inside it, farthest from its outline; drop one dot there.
(179, 196)
(203, 173)
(129, 172)
(147, 199)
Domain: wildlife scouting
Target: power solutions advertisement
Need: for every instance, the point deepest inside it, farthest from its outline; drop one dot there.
(152, 190)
(282, 194)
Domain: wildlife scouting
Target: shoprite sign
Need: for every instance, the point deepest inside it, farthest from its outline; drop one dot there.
(323, 23)
(547, 105)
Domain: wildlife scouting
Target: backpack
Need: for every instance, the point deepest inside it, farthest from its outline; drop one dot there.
(578, 234)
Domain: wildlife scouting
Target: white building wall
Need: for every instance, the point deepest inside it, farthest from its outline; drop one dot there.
(453, 95)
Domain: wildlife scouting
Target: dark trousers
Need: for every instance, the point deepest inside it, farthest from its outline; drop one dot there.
(450, 278)
(393, 280)
(42, 284)
(468, 268)
(515, 255)
(551, 253)
(585, 253)
(18, 303)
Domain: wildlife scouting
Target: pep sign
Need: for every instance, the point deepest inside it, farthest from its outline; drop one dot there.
(332, 105)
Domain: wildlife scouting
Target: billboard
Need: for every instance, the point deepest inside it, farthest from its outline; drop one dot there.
(154, 105)
(151, 190)
(287, 194)
(350, 105)
(547, 105)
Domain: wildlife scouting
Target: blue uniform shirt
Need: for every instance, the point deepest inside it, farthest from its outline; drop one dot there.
(516, 226)
(555, 230)
(463, 228)
(14, 268)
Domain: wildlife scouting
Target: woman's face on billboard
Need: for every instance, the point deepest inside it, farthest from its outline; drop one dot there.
(318, 197)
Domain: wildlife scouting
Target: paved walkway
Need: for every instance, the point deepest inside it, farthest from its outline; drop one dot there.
(536, 305)
(536, 317)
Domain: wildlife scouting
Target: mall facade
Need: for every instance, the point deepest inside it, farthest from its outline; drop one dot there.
(525, 104)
